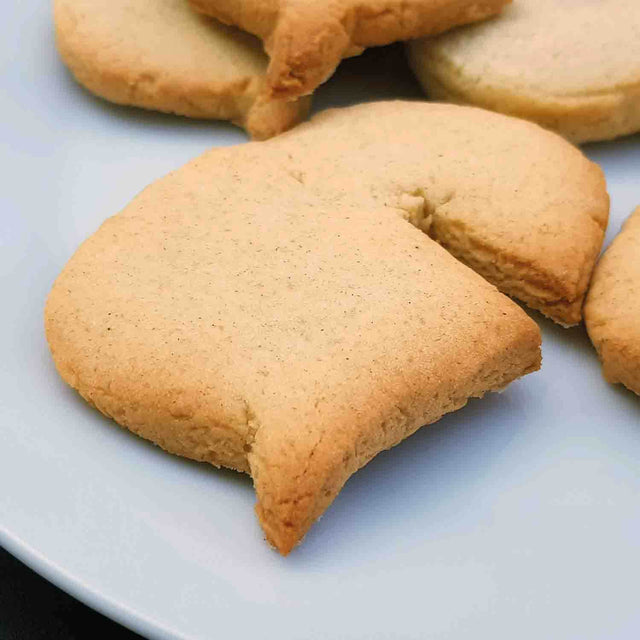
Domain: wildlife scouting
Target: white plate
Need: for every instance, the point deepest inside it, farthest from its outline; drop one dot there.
(517, 516)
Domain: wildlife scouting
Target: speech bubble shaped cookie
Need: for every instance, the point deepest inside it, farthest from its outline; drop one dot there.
(307, 39)
(286, 308)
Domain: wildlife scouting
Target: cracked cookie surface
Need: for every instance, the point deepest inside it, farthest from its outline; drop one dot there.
(157, 54)
(278, 308)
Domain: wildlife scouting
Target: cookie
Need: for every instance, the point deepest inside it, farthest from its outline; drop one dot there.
(278, 308)
(157, 54)
(612, 308)
(518, 204)
(572, 66)
(306, 39)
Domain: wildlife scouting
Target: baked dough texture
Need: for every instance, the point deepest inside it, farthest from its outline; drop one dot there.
(277, 308)
(306, 39)
(573, 66)
(158, 54)
(612, 309)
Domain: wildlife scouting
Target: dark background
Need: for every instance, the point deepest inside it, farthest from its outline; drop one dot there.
(33, 609)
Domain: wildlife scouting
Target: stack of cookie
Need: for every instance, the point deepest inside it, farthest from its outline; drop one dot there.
(573, 67)
(159, 54)
(292, 307)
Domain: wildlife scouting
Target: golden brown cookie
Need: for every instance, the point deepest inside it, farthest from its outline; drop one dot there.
(277, 307)
(518, 204)
(306, 39)
(573, 66)
(159, 55)
(612, 309)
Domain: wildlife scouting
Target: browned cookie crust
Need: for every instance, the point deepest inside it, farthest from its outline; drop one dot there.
(306, 39)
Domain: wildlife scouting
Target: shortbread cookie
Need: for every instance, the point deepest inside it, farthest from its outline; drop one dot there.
(158, 54)
(277, 307)
(612, 309)
(306, 39)
(518, 204)
(573, 66)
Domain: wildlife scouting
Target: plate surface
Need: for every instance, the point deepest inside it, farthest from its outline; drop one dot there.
(517, 516)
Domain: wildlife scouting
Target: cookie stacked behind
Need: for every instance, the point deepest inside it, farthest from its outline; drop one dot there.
(306, 39)
(572, 66)
(278, 308)
(160, 55)
(612, 309)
